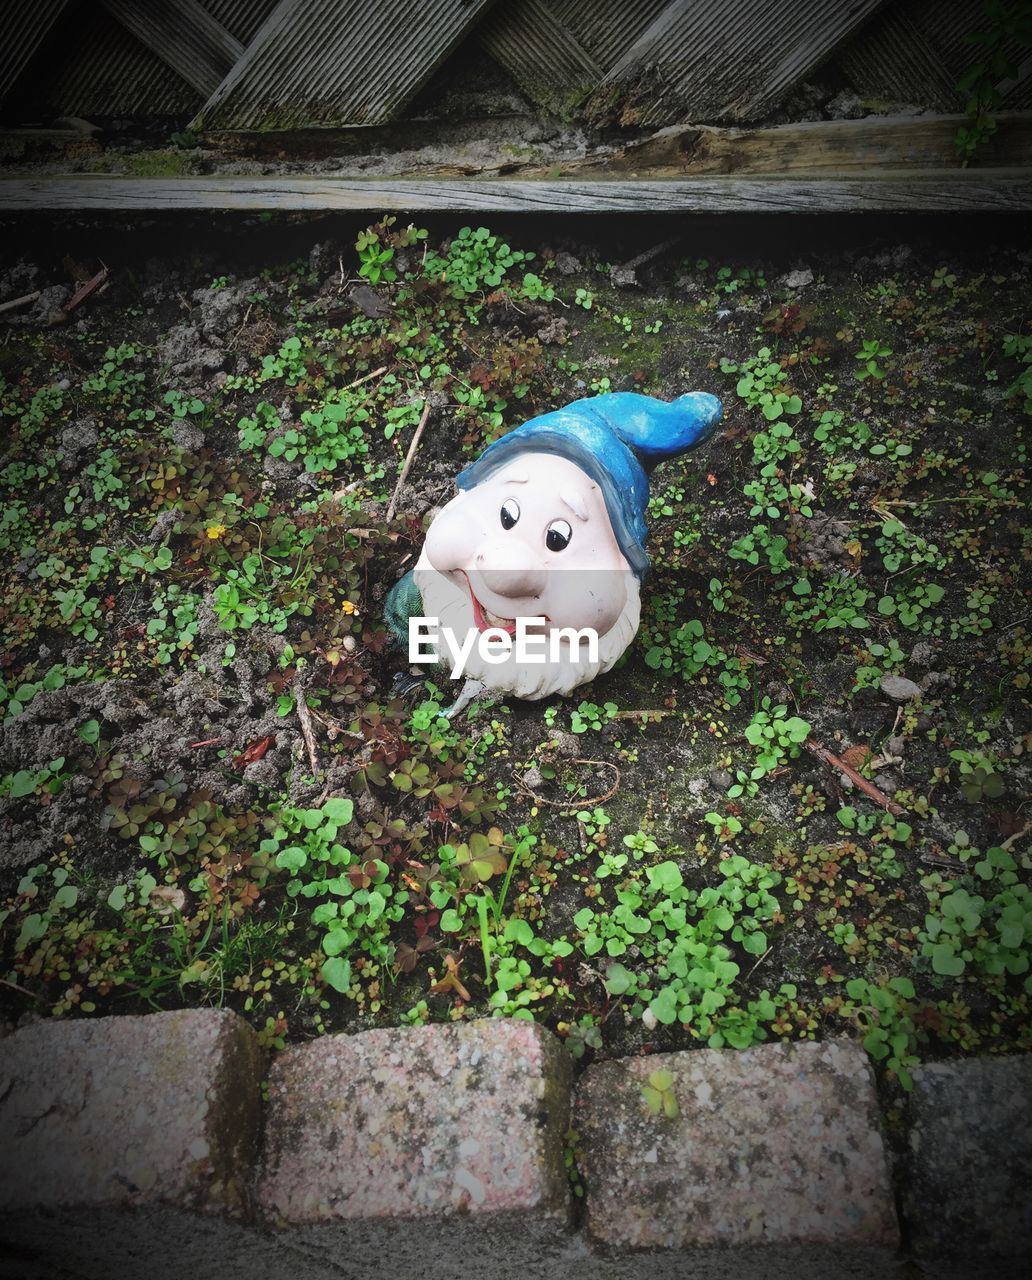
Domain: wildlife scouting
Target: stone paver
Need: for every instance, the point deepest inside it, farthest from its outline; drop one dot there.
(778, 1146)
(128, 1145)
(442, 1142)
(967, 1188)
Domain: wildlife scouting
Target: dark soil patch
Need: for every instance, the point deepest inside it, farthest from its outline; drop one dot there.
(191, 543)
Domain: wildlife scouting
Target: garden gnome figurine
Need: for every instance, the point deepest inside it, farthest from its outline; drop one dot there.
(544, 542)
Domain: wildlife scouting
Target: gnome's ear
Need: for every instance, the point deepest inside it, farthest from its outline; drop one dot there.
(655, 429)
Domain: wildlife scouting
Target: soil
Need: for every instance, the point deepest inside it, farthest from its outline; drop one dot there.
(178, 736)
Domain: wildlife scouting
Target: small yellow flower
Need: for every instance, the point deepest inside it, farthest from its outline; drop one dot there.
(347, 607)
(215, 531)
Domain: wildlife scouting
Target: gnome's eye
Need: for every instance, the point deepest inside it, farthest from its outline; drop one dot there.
(558, 536)
(509, 513)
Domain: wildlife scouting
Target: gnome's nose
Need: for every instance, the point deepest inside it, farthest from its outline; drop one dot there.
(504, 570)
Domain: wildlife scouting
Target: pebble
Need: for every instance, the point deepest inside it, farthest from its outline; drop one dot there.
(721, 779)
(922, 653)
(798, 279)
(899, 688)
(886, 784)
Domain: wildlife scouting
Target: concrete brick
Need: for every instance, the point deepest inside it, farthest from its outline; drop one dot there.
(966, 1186)
(440, 1147)
(774, 1165)
(127, 1146)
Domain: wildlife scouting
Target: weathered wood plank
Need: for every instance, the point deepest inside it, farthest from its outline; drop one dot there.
(26, 25)
(542, 56)
(184, 35)
(815, 147)
(918, 191)
(733, 61)
(337, 62)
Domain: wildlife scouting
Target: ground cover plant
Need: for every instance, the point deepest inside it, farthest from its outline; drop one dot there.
(210, 793)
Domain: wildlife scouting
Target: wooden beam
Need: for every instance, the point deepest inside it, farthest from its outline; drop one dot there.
(337, 62)
(184, 35)
(919, 191)
(732, 61)
(875, 144)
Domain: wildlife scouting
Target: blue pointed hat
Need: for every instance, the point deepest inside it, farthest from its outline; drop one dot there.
(616, 439)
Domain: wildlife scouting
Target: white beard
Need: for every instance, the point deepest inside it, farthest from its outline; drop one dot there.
(450, 603)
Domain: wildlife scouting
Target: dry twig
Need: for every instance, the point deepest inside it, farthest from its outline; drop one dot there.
(84, 291)
(868, 788)
(654, 714)
(1012, 840)
(590, 802)
(4, 982)
(23, 301)
(408, 460)
(305, 718)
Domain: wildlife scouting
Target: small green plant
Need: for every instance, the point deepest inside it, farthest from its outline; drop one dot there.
(871, 351)
(590, 716)
(1019, 347)
(762, 385)
(776, 736)
(979, 776)
(659, 1095)
(1008, 25)
(475, 260)
(884, 1011)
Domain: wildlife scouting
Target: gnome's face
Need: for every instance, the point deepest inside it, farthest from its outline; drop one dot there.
(532, 540)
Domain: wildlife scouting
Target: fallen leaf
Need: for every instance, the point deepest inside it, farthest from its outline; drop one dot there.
(166, 899)
(255, 751)
(856, 757)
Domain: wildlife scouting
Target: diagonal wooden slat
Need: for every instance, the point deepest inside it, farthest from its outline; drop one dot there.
(733, 61)
(606, 28)
(26, 24)
(184, 35)
(337, 62)
(893, 59)
(542, 56)
(241, 18)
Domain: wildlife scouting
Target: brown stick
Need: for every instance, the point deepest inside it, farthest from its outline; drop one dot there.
(868, 788)
(305, 718)
(23, 301)
(365, 378)
(408, 461)
(1011, 841)
(14, 987)
(81, 294)
(208, 742)
(590, 802)
(642, 258)
(645, 714)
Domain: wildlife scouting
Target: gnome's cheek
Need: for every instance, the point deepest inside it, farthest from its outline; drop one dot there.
(586, 598)
(448, 538)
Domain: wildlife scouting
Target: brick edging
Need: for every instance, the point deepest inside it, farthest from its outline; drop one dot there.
(139, 1146)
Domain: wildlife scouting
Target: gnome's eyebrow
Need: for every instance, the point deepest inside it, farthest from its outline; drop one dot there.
(576, 504)
(515, 477)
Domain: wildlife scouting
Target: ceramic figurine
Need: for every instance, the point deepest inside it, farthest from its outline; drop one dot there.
(548, 524)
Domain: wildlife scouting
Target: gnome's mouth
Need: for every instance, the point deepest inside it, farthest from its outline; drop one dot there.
(485, 619)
